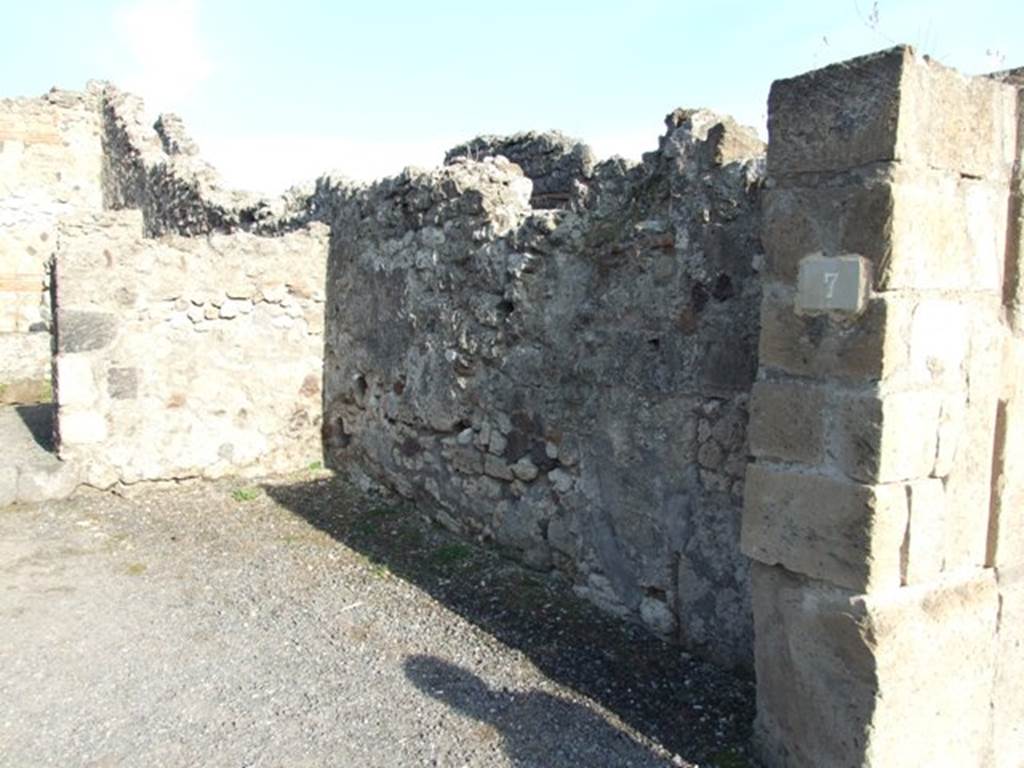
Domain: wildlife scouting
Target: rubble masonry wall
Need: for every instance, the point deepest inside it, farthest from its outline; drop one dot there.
(569, 381)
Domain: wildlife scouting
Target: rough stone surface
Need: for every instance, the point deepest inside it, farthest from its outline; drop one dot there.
(559, 167)
(846, 533)
(892, 105)
(84, 330)
(148, 389)
(858, 348)
(886, 439)
(572, 384)
(890, 638)
(787, 422)
(840, 678)
(29, 470)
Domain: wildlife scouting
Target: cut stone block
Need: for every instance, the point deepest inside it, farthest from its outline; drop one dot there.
(939, 342)
(947, 233)
(884, 439)
(84, 330)
(75, 385)
(81, 427)
(839, 117)
(787, 421)
(897, 679)
(859, 348)
(834, 530)
(956, 122)
(969, 483)
(891, 105)
(852, 215)
(919, 228)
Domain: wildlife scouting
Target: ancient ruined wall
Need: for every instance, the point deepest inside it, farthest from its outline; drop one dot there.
(883, 508)
(571, 384)
(50, 159)
(188, 318)
(186, 357)
(157, 170)
(559, 167)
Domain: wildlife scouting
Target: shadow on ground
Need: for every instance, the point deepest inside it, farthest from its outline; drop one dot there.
(38, 419)
(535, 727)
(692, 708)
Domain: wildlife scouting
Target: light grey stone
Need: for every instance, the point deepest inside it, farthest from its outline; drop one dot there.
(8, 485)
(525, 470)
(44, 483)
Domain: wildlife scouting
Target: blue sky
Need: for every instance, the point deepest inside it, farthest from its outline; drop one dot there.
(277, 92)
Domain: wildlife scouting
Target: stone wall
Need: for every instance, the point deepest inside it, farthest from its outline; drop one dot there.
(883, 505)
(571, 384)
(50, 159)
(158, 170)
(188, 318)
(592, 365)
(186, 357)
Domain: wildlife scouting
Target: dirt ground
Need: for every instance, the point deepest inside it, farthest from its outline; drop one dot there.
(299, 622)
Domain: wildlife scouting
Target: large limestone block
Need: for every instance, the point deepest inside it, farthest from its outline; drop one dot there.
(787, 421)
(921, 229)
(903, 678)
(831, 529)
(891, 105)
(861, 348)
(74, 382)
(844, 215)
(882, 439)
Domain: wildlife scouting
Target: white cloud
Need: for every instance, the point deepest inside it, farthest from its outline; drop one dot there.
(168, 58)
(271, 163)
(629, 144)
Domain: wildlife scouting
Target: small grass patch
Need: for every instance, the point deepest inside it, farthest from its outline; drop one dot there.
(450, 555)
(315, 466)
(365, 528)
(246, 494)
(379, 570)
(729, 758)
(382, 510)
(136, 569)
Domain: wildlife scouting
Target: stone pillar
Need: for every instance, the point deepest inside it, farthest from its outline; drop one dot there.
(876, 415)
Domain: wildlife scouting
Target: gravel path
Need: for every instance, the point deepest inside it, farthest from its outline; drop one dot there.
(300, 623)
